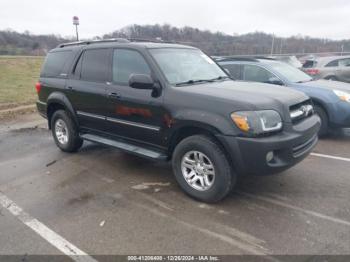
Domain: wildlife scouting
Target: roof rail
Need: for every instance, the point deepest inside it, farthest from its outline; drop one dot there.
(243, 58)
(118, 40)
(237, 58)
(145, 40)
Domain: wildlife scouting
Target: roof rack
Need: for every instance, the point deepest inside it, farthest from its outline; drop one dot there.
(118, 40)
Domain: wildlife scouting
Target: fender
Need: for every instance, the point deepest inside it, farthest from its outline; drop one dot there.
(61, 98)
(198, 118)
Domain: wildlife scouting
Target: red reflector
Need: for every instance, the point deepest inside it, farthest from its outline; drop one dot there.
(38, 87)
(312, 71)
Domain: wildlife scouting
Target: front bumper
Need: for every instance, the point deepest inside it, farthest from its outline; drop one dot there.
(289, 147)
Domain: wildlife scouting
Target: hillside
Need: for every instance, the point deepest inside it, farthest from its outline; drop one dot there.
(214, 43)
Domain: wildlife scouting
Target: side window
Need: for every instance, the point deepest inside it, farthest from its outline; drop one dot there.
(95, 65)
(334, 63)
(234, 69)
(54, 63)
(256, 74)
(344, 62)
(309, 64)
(127, 62)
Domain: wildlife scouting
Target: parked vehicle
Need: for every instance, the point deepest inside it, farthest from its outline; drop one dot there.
(172, 102)
(335, 68)
(331, 98)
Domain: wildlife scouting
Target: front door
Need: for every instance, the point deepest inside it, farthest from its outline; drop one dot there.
(133, 113)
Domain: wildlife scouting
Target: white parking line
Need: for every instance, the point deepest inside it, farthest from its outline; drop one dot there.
(331, 157)
(46, 233)
(300, 209)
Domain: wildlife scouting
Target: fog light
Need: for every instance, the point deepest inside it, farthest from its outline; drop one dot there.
(269, 156)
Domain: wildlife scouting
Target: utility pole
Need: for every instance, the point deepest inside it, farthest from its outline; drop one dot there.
(342, 50)
(76, 23)
(281, 45)
(273, 42)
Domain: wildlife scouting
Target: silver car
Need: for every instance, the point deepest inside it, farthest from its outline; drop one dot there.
(332, 68)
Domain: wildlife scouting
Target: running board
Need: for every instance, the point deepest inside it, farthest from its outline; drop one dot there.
(133, 149)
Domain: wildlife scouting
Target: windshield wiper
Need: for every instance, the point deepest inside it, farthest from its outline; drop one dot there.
(304, 81)
(191, 81)
(220, 78)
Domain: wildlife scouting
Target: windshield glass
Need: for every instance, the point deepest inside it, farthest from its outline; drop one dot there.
(181, 65)
(289, 72)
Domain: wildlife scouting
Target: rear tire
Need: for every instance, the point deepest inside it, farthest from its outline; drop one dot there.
(202, 159)
(65, 132)
(324, 129)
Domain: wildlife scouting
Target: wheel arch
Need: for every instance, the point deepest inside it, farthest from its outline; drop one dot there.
(196, 128)
(57, 101)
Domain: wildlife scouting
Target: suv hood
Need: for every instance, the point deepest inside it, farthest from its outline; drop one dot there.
(326, 84)
(258, 95)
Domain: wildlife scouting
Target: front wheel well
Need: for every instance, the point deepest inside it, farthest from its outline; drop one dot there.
(185, 132)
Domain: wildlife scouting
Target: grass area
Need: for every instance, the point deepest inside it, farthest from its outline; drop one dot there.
(18, 75)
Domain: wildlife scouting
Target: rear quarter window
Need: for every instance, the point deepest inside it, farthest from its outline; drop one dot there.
(55, 63)
(334, 63)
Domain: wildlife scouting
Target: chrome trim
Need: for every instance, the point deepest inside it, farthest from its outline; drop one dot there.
(304, 110)
(124, 122)
(119, 121)
(91, 115)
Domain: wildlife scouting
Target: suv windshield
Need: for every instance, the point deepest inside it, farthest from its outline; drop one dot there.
(289, 72)
(187, 66)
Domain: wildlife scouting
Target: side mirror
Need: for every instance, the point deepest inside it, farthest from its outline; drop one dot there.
(140, 81)
(275, 81)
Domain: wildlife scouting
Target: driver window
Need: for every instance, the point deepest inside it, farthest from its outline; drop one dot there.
(127, 62)
(256, 74)
(334, 63)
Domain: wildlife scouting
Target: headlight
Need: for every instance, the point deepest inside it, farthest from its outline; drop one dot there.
(342, 95)
(257, 122)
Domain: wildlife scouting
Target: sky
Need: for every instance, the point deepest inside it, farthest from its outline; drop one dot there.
(316, 18)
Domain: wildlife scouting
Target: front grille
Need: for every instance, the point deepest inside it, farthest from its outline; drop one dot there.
(304, 147)
(301, 111)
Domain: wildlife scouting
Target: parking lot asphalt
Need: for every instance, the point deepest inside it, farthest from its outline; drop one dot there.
(103, 201)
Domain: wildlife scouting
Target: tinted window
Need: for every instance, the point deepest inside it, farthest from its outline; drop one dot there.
(95, 65)
(54, 63)
(127, 62)
(256, 74)
(234, 69)
(309, 64)
(333, 63)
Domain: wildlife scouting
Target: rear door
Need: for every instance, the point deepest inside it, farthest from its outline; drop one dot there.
(133, 113)
(343, 72)
(87, 87)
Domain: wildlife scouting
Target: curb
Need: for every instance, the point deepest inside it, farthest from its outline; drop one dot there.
(17, 110)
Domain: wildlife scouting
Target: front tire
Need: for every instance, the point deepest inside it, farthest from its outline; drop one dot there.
(65, 132)
(324, 129)
(202, 169)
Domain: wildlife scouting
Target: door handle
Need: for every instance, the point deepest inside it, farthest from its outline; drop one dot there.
(114, 95)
